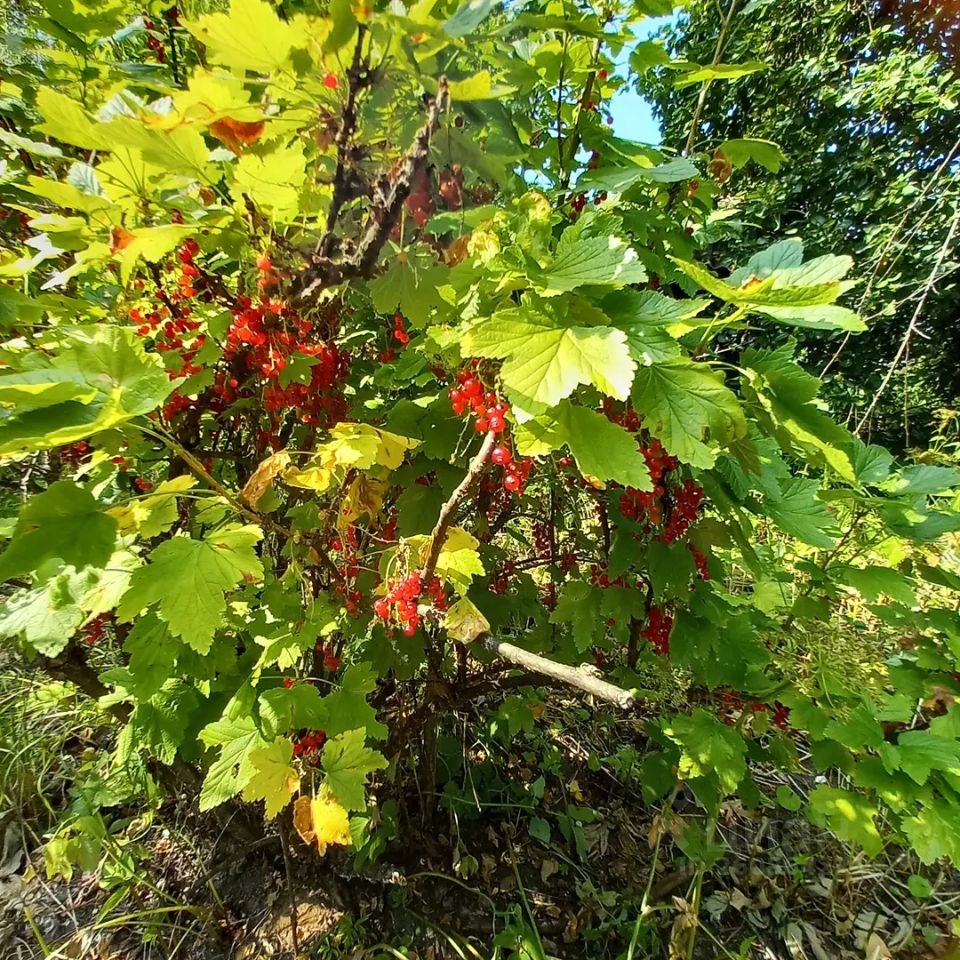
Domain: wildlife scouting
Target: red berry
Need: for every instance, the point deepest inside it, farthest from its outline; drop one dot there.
(500, 456)
(330, 81)
(511, 482)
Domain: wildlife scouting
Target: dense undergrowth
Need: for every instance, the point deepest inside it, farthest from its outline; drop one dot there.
(410, 546)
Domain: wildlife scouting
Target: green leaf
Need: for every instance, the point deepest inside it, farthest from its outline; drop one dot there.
(688, 406)
(188, 580)
(233, 769)
(923, 479)
(65, 119)
(849, 815)
(786, 394)
(765, 152)
(604, 261)
(820, 317)
(250, 37)
(273, 180)
(859, 730)
(107, 361)
(935, 832)
(709, 747)
(347, 709)
(719, 71)
(283, 709)
(919, 887)
(645, 317)
(619, 179)
(797, 510)
(671, 568)
(153, 654)
(546, 357)
(602, 449)
(873, 581)
(46, 617)
(579, 605)
(920, 752)
(64, 521)
(468, 16)
(347, 763)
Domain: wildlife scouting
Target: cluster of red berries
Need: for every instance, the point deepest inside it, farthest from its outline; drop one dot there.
(331, 662)
(399, 334)
(686, 500)
(731, 704)
(144, 486)
(700, 560)
(74, 453)
(347, 548)
(307, 746)
(516, 472)
(500, 582)
(154, 43)
(264, 337)
(657, 631)
(94, 630)
(469, 393)
(400, 603)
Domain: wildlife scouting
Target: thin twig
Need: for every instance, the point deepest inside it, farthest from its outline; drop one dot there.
(912, 326)
(705, 86)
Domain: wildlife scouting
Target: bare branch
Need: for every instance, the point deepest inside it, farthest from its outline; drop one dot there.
(584, 676)
(447, 511)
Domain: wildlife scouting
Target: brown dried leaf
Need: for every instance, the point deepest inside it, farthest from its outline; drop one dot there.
(262, 478)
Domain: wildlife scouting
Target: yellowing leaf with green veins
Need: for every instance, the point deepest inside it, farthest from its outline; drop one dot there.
(464, 622)
(273, 181)
(238, 739)
(322, 820)
(275, 781)
(188, 581)
(361, 445)
(459, 560)
(364, 497)
(315, 476)
(689, 408)
(546, 358)
(249, 37)
(347, 763)
(153, 515)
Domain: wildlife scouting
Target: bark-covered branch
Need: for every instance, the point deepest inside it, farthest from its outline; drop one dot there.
(584, 677)
(391, 191)
(448, 510)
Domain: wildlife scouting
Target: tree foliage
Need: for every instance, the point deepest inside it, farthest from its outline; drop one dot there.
(847, 138)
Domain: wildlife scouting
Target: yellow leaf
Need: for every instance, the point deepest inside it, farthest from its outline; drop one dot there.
(365, 496)
(275, 781)
(458, 560)
(154, 514)
(262, 478)
(316, 476)
(323, 820)
(464, 622)
(361, 446)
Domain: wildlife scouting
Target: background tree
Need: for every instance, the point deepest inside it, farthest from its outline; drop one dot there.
(862, 98)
